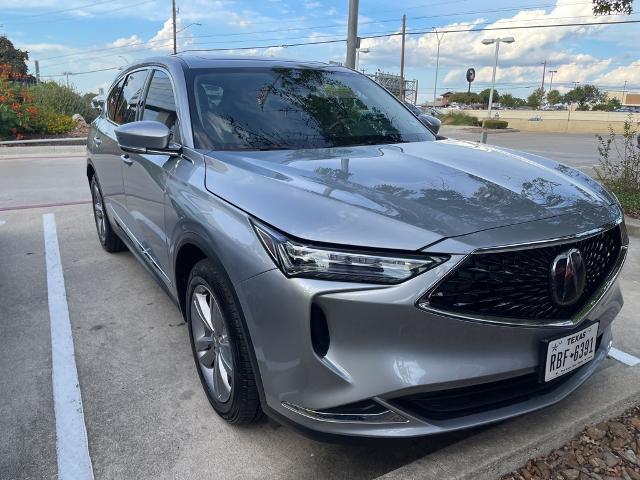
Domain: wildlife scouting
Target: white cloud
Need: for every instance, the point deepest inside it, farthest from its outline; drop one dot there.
(629, 73)
(125, 42)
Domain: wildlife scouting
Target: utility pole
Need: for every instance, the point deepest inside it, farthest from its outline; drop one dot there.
(551, 83)
(544, 71)
(404, 31)
(435, 84)
(37, 63)
(173, 8)
(352, 34)
(67, 75)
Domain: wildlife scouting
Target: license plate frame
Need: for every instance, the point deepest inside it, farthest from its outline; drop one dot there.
(547, 342)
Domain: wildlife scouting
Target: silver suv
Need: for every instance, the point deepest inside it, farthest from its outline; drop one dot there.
(341, 270)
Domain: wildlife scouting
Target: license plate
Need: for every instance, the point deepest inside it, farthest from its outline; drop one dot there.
(564, 354)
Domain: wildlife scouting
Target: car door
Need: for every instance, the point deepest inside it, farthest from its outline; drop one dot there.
(145, 176)
(104, 152)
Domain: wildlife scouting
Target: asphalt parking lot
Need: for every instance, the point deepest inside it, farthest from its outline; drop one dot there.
(145, 413)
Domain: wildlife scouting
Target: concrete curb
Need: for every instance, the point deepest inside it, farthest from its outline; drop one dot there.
(44, 151)
(508, 446)
(633, 226)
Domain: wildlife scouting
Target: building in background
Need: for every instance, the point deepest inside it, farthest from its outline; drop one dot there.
(627, 99)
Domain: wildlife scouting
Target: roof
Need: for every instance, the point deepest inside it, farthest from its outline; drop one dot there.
(204, 60)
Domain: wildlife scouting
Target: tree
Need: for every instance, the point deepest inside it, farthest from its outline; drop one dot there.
(509, 101)
(607, 104)
(465, 98)
(610, 7)
(15, 58)
(484, 96)
(535, 99)
(554, 97)
(584, 95)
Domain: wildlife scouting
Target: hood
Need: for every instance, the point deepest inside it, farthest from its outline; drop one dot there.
(402, 196)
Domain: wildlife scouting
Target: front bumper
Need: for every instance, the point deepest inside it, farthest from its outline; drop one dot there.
(382, 347)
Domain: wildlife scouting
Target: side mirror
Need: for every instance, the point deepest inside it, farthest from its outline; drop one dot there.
(97, 103)
(432, 123)
(146, 136)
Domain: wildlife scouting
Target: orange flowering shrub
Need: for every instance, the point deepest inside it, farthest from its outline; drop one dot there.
(18, 114)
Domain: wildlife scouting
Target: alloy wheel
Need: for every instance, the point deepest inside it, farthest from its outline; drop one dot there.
(98, 212)
(211, 342)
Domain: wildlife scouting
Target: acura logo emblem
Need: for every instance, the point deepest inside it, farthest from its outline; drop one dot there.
(568, 277)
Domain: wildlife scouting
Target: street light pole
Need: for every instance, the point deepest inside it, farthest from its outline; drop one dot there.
(358, 52)
(497, 41)
(435, 84)
(551, 82)
(493, 78)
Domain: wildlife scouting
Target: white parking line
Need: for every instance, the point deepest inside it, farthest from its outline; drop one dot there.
(624, 357)
(72, 447)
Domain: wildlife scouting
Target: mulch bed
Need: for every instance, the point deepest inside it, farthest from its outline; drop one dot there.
(605, 451)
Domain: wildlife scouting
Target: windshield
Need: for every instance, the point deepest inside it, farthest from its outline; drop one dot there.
(295, 108)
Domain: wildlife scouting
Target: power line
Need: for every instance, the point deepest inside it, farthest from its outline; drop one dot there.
(516, 27)
(82, 73)
(53, 12)
(424, 32)
(324, 42)
(126, 7)
(371, 22)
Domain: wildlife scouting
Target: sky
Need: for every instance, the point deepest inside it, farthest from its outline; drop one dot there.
(81, 36)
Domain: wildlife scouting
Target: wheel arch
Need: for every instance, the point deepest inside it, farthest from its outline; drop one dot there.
(189, 250)
(91, 170)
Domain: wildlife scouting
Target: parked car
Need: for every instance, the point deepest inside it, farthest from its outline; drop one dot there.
(337, 268)
(431, 122)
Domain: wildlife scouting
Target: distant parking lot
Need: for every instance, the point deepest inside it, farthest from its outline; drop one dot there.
(145, 413)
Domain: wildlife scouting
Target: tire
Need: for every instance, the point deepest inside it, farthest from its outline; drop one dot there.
(219, 346)
(107, 237)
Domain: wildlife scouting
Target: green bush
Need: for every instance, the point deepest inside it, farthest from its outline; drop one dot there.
(55, 98)
(629, 199)
(55, 123)
(459, 118)
(619, 167)
(496, 124)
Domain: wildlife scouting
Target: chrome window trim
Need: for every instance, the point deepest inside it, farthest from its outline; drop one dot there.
(575, 320)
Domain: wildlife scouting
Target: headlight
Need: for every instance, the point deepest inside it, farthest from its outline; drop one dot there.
(298, 259)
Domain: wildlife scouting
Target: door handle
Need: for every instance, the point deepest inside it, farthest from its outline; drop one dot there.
(97, 141)
(125, 158)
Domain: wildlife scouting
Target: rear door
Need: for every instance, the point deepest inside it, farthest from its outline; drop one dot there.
(122, 109)
(105, 156)
(145, 176)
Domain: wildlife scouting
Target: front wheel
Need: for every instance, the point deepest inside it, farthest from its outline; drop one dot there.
(219, 345)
